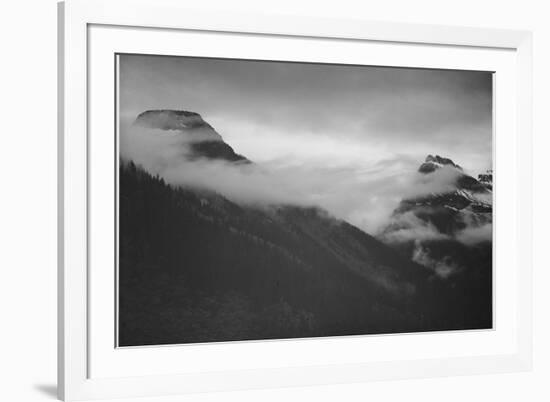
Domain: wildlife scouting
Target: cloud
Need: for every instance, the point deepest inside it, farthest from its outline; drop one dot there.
(363, 196)
(377, 110)
(445, 267)
(407, 227)
(348, 139)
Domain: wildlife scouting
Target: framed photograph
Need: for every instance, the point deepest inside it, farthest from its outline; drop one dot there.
(251, 201)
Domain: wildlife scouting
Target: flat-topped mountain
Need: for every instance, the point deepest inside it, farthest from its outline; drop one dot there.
(166, 119)
(202, 140)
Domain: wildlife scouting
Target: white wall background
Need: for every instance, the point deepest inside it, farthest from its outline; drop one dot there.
(28, 199)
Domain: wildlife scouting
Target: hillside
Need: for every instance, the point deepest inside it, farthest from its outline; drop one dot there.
(197, 267)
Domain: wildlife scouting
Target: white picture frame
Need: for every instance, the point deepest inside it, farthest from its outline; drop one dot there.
(77, 346)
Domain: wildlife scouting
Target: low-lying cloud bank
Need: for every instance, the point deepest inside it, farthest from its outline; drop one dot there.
(364, 195)
(407, 227)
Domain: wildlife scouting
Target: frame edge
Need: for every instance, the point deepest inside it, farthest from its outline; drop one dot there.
(72, 381)
(60, 201)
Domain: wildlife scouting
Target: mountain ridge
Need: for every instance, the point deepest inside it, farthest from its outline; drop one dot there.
(197, 267)
(205, 142)
(444, 230)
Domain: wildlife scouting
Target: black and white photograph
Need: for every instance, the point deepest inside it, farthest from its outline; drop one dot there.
(271, 201)
(260, 199)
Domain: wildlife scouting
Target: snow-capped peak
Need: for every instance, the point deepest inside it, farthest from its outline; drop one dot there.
(433, 163)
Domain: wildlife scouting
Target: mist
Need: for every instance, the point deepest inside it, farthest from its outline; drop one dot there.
(347, 139)
(363, 194)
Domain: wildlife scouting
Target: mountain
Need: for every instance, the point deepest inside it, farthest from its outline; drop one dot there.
(465, 203)
(449, 231)
(195, 266)
(432, 163)
(205, 142)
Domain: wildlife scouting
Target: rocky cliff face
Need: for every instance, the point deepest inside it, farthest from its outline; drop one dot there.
(433, 163)
(467, 202)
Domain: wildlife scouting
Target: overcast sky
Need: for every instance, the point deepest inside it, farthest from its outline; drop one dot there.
(347, 138)
(333, 113)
